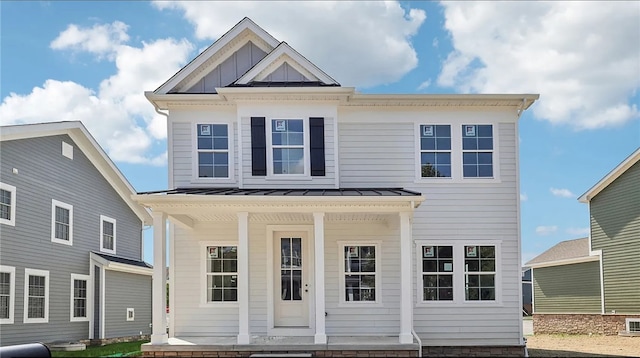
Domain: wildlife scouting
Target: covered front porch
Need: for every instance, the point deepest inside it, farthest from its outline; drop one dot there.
(289, 289)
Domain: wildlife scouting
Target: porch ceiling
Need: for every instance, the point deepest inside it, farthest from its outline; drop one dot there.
(204, 216)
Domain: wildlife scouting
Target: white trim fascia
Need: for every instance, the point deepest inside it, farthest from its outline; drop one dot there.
(225, 39)
(592, 257)
(91, 299)
(230, 179)
(91, 149)
(598, 254)
(151, 199)
(12, 293)
(55, 204)
(116, 266)
(240, 154)
(278, 56)
(533, 294)
(610, 177)
(341, 274)
(519, 230)
(203, 274)
(104, 219)
(443, 100)
(33, 272)
(171, 281)
(103, 304)
(12, 209)
(336, 152)
(87, 279)
(243, 270)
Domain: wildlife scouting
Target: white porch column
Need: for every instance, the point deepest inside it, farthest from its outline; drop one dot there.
(318, 238)
(406, 308)
(159, 317)
(243, 278)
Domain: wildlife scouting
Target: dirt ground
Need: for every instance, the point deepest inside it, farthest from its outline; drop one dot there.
(546, 345)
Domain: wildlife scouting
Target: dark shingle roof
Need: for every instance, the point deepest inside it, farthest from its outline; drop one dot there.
(123, 260)
(565, 250)
(289, 192)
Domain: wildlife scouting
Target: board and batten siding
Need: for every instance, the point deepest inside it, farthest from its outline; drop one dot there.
(45, 174)
(123, 291)
(615, 229)
(378, 149)
(571, 288)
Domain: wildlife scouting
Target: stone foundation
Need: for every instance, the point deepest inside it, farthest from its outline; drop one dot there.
(473, 351)
(607, 324)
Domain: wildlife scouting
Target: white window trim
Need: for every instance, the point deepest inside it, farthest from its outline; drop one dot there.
(628, 323)
(12, 211)
(79, 277)
(458, 273)
(133, 314)
(194, 165)
(203, 275)
(456, 154)
(306, 144)
(378, 273)
(104, 219)
(54, 204)
(33, 272)
(12, 292)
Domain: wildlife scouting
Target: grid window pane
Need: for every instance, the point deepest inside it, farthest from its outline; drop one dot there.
(437, 269)
(477, 146)
(435, 151)
(480, 267)
(5, 204)
(5, 294)
(79, 298)
(62, 223)
(360, 273)
(287, 140)
(222, 273)
(36, 298)
(108, 235)
(213, 151)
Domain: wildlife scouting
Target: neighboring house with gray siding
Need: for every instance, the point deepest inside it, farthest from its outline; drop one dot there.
(71, 254)
(306, 213)
(593, 281)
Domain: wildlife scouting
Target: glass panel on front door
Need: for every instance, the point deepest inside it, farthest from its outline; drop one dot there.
(291, 268)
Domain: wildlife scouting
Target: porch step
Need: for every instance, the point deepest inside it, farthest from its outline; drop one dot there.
(280, 355)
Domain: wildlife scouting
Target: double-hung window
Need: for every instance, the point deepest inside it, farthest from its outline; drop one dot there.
(360, 263)
(61, 222)
(288, 146)
(477, 151)
(480, 273)
(107, 234)
(7, 204)
(7, 293)
(435, 151)
(36, 296)
(213, 151)
(221, 273)
(79, 299)
(437, 273)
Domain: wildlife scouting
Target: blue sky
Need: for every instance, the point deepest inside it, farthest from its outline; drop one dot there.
(92, 61)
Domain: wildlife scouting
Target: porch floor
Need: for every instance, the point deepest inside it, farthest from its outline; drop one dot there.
(275, 343)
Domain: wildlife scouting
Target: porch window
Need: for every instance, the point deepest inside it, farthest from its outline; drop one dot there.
(222, 273)
(360, 273)
(437, 273)
(480, 273)
(213, 151)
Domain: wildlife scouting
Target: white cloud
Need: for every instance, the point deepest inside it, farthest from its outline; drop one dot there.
(379, 32)
(578, 231)
(582, 57)
(546, 230)
(117, 114)
(523, 197)
(424, 85)
(563, 193)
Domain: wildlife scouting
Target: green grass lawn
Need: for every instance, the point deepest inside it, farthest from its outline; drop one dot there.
(128, 349)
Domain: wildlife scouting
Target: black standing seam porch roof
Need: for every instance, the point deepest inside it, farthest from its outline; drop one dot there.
(357, 192)
(123, 260)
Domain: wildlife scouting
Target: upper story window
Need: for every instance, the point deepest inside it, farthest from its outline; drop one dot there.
(107, 234)
(7, 204)
(435, 151)
(288, 146)
(7, 293)
(36, 296)
(213, 151)
(477, 151)
(61, 222)
(221, 274)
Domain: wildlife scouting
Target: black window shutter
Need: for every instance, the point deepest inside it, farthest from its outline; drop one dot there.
(316, 135)
(258, 147)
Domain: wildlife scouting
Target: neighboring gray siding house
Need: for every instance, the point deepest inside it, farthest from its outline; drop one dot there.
(71, 265)
(589, 285)
(306, 215)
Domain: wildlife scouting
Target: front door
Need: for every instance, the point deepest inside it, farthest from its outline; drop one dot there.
(291, 279)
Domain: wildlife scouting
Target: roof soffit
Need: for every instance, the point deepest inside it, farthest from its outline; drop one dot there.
(223, 48)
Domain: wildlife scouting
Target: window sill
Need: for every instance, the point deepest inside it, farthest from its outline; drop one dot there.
(433, 304)
(440, 181)
(36, 320)
(219, 305)
(356, 304)
(195, 180)
(79, 319)
(7, 222)
(63, 242)
(112, 252)
(285, 177)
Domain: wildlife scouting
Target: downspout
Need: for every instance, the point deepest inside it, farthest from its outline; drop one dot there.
(413, 331)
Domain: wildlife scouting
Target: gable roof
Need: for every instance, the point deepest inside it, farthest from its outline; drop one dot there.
(222, 49)
(564, 253)
(609, 178)
(91, 149)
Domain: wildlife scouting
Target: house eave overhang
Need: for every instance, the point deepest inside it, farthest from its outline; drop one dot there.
(593, 257)
(611, 177)
(517, 101)
(120, 267)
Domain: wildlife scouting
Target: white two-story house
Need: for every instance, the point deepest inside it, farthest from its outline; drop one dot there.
(307, 217)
